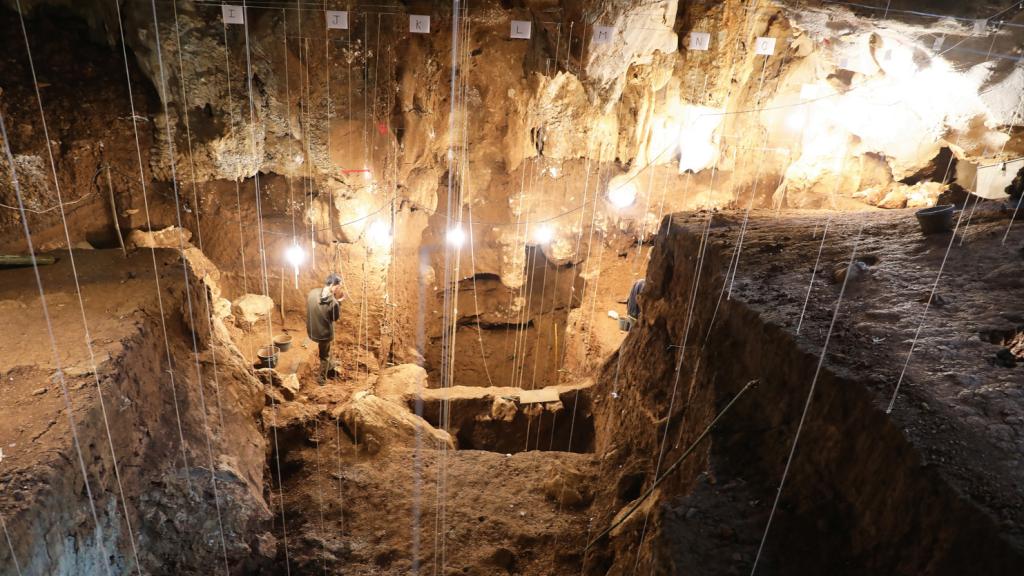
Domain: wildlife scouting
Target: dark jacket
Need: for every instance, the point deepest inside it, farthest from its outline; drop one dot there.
(321, 314)
(633, 303)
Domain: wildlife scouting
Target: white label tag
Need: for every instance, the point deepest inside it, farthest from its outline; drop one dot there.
(521, 29)
(232, 14)
(844, 63)
(700, 40)
(980, 26)
(419, 24)
(808, 92)
(937, 45)
(764, 46)
(337, 20)
(603, 34)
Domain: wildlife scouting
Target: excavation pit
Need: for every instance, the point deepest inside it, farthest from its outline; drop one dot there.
(138, 437)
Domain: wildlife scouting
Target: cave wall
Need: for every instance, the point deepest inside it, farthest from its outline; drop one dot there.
(345, 130)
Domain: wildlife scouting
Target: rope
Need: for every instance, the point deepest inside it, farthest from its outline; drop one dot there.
(59, 206)
(675, 466)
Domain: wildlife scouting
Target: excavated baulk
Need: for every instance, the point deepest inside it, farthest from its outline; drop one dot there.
(921, 491)
(43, 500)
(510, 420)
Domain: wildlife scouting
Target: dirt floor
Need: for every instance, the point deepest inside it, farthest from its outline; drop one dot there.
(960, 401)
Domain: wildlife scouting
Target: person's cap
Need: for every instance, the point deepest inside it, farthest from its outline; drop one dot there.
(332, 280)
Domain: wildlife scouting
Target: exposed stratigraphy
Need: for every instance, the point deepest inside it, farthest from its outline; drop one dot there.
(489, 202)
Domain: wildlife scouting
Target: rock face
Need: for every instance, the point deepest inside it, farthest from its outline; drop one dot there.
(352, 144)
(398, 383)
(170, 237)
(277, 386)
(251, 309)
(376, 424)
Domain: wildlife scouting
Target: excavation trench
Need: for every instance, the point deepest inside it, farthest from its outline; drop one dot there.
(867, 492)
(352, 479)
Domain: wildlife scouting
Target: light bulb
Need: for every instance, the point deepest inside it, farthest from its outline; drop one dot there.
(544, 234)
(623, 195)
(456, 237)
(796, 120)
(378, 233)
(295, 255)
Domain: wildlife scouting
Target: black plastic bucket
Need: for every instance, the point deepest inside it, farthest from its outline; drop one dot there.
(283, 342)
(936, 220)
(268, 356)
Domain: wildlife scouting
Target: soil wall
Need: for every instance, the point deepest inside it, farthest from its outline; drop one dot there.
(857, 487)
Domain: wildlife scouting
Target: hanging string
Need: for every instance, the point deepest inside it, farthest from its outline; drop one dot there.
(621, 518)
(931, 298)
(945, 257)
(152, 251)
(693, 295)
(320, 496)
(162, 88)
(698, 275)
(7, 536)
(1013, 121)
(515, 234)
(256, 175)
(78, 291)
(263, 271)
(238, 187)
(53, 349)
(814, 272)
(196, 202)
(288, 116)
(810, 396)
